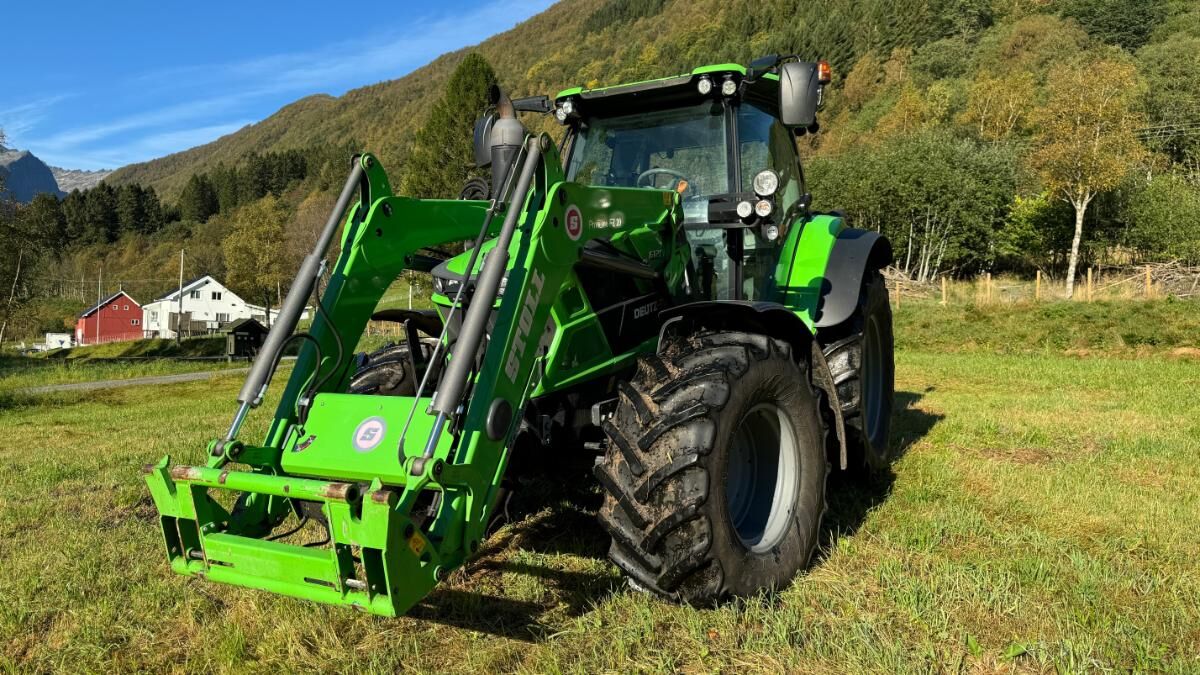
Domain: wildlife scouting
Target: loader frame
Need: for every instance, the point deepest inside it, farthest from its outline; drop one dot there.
(380, 558)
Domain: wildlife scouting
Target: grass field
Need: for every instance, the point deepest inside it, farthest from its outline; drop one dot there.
(1042, 516)
(213, 345)
(20, 372)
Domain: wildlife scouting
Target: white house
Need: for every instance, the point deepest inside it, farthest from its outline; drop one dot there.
(207, 304)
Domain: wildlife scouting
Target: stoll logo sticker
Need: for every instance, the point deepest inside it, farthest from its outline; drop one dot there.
(574, 222)
(369, 434)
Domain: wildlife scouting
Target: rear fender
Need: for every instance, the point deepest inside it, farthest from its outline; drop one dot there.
(767, 318)
(854, 254)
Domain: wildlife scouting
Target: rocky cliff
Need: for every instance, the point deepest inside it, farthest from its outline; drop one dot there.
(77, 179)
(24, 175)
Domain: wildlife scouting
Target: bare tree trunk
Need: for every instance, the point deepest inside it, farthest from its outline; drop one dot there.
(908, 256)
(1080, 210)
(11, 294)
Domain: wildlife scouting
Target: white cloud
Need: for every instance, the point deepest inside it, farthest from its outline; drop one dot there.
(20, 119)
(154, 145)
(332, 68)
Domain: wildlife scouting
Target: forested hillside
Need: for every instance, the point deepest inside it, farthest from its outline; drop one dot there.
(980, 135)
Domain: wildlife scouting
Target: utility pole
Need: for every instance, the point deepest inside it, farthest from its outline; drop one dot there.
(179, 317)
(99, 299)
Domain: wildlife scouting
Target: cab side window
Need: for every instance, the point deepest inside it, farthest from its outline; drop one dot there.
(767, 144)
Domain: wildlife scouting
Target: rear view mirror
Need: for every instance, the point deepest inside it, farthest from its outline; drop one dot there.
(799, 93)
(483, 145)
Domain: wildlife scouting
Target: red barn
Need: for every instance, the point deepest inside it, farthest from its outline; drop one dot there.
(116, 319)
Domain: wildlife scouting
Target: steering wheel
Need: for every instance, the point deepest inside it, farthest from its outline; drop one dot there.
(650, 173)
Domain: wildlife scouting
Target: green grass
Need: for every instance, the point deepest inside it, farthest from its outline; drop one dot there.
(154, 347)
(1111, 327)
(1042, 516)
(22, 372)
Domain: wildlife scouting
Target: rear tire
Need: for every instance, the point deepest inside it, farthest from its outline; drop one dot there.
(861, 359)
(714, 477)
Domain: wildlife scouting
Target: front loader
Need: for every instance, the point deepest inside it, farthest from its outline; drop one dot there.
(656, 291)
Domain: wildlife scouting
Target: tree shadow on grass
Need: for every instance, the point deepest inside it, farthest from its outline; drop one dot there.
(852, 495)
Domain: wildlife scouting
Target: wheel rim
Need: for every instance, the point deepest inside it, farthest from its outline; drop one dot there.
(872, 382)
(763, 478)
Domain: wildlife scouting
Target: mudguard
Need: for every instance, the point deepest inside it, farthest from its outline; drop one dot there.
(854, 253)
(425, 320)
(768, 318)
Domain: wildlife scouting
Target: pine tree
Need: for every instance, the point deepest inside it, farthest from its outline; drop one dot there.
(152, 211)
(198, 201)
(442, 156)
(100, 214)
(74, 208)
(131, 213)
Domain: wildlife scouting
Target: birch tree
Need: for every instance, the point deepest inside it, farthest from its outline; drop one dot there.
(255, 251)
(1085, 139)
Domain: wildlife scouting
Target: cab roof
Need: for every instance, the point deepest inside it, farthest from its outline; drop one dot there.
(604, 101)
(650, 85)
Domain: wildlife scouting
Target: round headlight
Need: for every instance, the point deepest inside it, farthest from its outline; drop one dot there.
(766, 183)
(568, 107)
(729, 87)
(744, 209)
(763, 208)
(704, 86)
(771, 232)
(560, 115)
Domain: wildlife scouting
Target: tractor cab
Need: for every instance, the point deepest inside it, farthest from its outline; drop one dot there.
(716, 137)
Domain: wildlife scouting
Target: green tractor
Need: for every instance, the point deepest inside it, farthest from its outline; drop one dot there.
(654, 294)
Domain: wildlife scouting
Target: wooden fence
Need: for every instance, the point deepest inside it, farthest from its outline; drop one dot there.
(1157, 280)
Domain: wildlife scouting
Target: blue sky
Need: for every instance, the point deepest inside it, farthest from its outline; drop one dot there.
(90, 85)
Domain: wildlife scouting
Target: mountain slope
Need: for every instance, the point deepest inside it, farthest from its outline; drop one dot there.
(589, 42)
(379, 117)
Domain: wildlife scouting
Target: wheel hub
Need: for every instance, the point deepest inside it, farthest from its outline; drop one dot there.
(763, 477)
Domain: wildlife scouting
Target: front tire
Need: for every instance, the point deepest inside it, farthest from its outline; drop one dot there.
(715, 472)
(388, 371)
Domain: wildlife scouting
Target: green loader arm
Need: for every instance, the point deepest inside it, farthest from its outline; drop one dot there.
(406, 501)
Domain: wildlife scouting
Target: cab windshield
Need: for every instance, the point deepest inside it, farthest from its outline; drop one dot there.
(677, 149)
(687, 149)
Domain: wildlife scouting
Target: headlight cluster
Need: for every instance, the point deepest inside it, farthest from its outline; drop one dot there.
(564, 111)
(446, 287)
(765, 184)
(449, 287)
